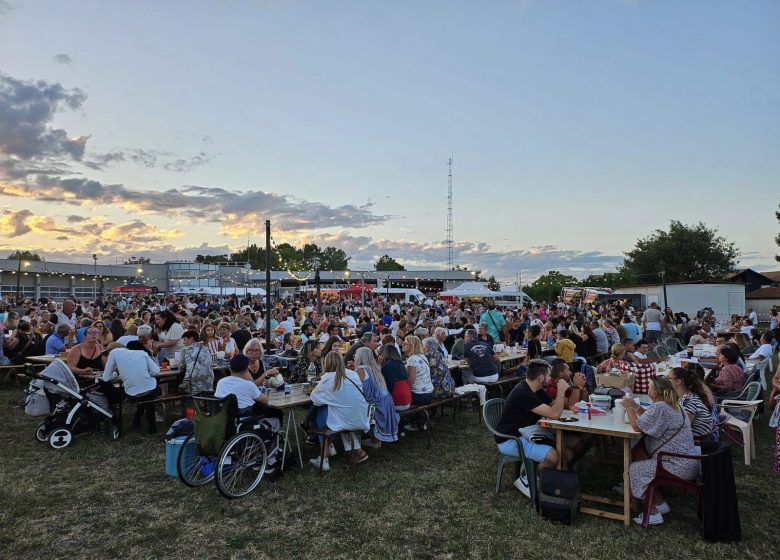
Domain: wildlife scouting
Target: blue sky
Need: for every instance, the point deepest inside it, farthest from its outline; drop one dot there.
(576, 127)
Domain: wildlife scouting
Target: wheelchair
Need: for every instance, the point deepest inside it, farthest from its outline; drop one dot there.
(242, 460)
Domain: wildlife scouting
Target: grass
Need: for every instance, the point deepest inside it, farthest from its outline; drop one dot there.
(103, 499)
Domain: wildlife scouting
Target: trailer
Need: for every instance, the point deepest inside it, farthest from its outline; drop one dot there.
(724, 298)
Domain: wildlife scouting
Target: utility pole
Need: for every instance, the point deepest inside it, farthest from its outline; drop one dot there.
(663, 281)
(316, 264)
(362, 289)
(267, 284)
(94, 257)
(449, 216)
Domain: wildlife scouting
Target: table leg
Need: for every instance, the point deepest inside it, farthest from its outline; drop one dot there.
(287, 437)
(292, 421)
(559, 447)
(626, 483)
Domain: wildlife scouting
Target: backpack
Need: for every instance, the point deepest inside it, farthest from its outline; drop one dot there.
(559, 496)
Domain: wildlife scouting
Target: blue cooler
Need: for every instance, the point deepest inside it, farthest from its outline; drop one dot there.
(172, 447)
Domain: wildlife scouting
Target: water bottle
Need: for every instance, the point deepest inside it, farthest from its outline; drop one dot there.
(550, 342)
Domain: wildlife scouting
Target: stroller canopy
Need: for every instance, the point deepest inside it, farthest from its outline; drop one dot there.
(59, 371)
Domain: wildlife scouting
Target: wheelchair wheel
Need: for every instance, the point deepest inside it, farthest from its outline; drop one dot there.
(241, 465)
(194, 469)
(42, 433)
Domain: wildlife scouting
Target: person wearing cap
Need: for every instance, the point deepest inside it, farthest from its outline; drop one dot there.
(136, 368)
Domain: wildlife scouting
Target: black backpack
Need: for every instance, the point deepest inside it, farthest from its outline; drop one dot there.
(559, 496)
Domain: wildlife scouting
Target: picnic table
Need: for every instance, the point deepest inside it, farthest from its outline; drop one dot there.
(504, 358)
(603, 425)
(278, 400)
(45, 359)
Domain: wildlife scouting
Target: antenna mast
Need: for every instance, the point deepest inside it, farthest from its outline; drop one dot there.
(450, 263)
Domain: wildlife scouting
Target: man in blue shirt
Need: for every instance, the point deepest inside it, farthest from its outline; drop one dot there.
(632, 329)
(494, 321)
(58, 340)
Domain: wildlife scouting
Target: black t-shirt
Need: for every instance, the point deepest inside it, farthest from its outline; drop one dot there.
(517, 409)
(534, 349)
(481, 358)
(517, 335)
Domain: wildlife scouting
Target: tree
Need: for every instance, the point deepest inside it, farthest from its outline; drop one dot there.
(548, 286)
(138, 260)
(606, 280)
(24, 256)
(777, 239)
(492, 284)
(334, 259)
(386, 262)
(211, 259)
(685, 253)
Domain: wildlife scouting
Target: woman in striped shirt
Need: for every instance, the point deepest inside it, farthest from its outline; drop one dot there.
(697, 401)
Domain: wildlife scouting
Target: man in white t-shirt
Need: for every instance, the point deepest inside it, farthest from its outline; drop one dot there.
(67, 316)
(765, 350)
(753, 316)
(348, 321)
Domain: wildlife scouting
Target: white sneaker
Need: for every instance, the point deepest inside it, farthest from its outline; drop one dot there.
(522, 484)
(663, 508)
(316, 463)
(410, 428)
(655, 519)
(331, 450)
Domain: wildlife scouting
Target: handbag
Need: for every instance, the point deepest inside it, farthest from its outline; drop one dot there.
(559, 496)
(210, 431)
(371, 406)
(501, 335)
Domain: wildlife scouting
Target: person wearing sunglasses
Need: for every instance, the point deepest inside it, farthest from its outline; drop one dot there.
(86, 358)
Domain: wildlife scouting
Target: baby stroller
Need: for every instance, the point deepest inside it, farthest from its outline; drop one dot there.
(71, 409)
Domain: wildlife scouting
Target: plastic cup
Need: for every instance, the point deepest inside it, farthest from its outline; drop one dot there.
(287, 389)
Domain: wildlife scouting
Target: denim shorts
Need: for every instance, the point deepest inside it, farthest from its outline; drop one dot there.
(536, 452)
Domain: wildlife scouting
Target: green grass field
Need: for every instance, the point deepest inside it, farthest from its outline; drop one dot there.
(103, 499)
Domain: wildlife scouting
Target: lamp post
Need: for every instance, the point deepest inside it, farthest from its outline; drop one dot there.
(317, 282)
(19, 265)
(94, 257)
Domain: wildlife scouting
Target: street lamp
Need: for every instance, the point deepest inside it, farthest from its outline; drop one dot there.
(19, 265)
(94, 257)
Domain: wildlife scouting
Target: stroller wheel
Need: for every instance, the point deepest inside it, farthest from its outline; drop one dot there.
(60, 438)
(41, 433)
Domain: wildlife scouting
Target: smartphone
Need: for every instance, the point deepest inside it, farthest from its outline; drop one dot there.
(570, 419)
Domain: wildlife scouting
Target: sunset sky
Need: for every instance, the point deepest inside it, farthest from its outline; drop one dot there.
(167, 129)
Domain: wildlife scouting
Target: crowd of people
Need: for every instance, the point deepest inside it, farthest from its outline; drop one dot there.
(392, 355)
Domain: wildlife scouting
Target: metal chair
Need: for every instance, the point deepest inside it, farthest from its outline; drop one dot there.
(491, 412)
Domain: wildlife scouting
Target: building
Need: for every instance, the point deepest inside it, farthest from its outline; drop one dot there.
(59, 280)
(762, 301)
(750, 278)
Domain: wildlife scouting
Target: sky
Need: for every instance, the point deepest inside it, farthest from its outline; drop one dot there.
(173, 129)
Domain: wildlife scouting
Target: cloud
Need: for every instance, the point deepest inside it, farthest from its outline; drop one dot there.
(13, 223)
(62, 58)
(151, 159)
(505, 265)
(26, 112)
(239, 211)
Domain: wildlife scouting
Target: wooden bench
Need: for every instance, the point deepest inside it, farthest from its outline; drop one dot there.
(434, 404)
(505, 380)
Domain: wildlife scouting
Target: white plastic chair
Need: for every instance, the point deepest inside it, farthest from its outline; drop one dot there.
(744, 427)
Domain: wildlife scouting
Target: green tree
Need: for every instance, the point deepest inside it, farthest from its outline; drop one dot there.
(255, 256)
(24, 256)
(548, 286)
(606, 280)
(492, 284)
(211, 259)
(334, 259)
(685, 253)
(138, 260)
(777, 239)
(386, 262)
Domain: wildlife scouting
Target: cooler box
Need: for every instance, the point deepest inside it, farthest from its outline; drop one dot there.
(172, 447)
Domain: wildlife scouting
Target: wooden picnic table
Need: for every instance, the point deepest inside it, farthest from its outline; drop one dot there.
(278, 400)
(604, 425)
(504, 358)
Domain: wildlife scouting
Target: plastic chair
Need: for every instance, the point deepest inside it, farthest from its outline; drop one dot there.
(491, 412)
(738, 426)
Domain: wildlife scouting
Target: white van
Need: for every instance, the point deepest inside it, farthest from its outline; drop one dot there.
(406, 295)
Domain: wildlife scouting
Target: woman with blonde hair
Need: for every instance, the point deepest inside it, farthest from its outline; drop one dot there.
(418, 370)
(375, 391)
(666, 427)
(342, 407)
